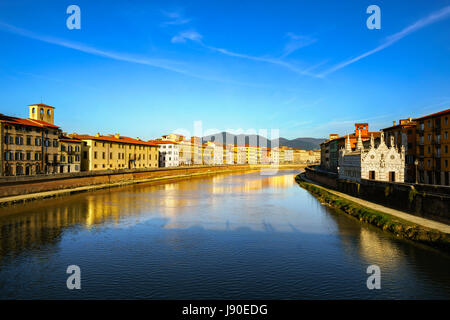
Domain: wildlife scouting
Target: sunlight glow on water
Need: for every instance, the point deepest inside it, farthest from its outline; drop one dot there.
(235, 236)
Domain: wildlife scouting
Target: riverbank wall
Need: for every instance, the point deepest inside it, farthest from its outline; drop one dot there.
(427, 201)
(21, 189)
(400, 227)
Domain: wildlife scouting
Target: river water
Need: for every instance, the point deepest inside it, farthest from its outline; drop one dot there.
(236, 236)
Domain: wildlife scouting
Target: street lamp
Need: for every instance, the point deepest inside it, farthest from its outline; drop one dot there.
(416, 163)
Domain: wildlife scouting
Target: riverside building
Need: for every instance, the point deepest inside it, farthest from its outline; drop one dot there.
(380, 162)
(113, 152)
(29, 146)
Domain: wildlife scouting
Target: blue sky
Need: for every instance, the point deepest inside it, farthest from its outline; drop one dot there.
(307, 68)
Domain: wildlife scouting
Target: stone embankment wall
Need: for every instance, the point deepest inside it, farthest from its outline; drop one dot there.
(428, 201)
(22, 185)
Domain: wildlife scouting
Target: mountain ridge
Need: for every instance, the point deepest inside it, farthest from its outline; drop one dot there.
(306, 143)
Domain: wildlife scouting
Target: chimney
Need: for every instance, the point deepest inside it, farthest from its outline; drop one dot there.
(97, 134)
(410, 119)
(393, 122)
(117, 136)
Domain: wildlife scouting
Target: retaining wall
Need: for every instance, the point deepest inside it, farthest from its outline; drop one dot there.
(428, 201)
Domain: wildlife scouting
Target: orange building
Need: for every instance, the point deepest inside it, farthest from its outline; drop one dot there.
(433, 143)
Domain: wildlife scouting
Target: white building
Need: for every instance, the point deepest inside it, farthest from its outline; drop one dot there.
(275, 155)
(288, 155)
(240, 154)
(217, 152)
(228, 151)
(168, 153)
(380, 163)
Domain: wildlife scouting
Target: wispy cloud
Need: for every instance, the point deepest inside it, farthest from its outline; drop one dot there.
(196, 37)
(390, 40)
(165, 64)
(186, 35)
(295, 43)
(158, 63)
(175, 18)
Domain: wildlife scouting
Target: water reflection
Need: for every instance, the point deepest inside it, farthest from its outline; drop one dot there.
(263, 228)
(27, 226)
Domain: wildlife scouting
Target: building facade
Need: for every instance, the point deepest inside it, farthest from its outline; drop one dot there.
(70, 154)
(29, 146)
(404, 134)
(113, 152)
(380, 163)
(432, 148)
(169, 154)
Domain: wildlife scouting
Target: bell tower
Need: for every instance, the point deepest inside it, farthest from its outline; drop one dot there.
(42, 112)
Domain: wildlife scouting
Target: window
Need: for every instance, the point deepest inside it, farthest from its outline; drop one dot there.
(372, 175)
(28, 141)
(85, 155)
(446, 120)
(446, 135)
(95, 154)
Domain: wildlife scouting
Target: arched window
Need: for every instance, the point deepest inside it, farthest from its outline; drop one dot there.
(42, 111)
(19, 170)
(48, 112)
(34, 110)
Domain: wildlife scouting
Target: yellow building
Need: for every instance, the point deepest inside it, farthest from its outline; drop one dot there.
(29, 146)
(69, 154)
(228, 154)
(196, 151)
(112, 152)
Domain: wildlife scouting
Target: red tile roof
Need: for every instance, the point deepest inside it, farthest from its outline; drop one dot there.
(440, 113)
(45, 124)
(111, 138)
(26, 122)
(67, 139)
(163, 142)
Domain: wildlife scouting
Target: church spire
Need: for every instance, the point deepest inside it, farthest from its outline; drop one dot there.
(359, 145)
(348, 147)
(372, 141)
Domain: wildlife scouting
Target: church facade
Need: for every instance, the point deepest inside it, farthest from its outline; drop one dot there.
(380, 162)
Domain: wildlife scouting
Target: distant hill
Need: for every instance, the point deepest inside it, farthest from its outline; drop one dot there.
(299, 143)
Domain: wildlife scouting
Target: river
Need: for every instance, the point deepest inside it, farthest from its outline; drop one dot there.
(232, 236)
